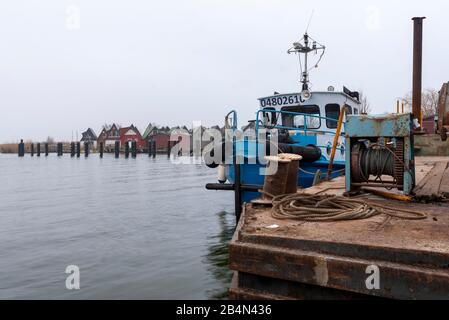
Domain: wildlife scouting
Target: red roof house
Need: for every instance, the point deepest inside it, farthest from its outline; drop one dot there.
(109, 135)
(131, 133)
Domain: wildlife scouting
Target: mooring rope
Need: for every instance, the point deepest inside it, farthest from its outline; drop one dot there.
(323, 208)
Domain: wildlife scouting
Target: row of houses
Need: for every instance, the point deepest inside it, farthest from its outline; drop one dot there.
(112, 133)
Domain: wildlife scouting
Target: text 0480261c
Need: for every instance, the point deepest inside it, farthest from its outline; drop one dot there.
(281, 100)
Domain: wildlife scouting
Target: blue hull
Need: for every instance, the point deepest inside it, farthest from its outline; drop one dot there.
(250, 175)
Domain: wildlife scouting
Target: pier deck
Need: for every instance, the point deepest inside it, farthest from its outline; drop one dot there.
(289, 259)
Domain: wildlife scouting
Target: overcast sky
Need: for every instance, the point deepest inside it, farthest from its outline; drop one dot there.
(69, 65)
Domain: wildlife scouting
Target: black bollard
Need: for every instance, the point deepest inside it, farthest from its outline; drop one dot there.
(117, 149)
(32, 149)
(101, 149)
(78, 149)
(72, 149)
(154, 149)
(46, 149)
(134, 149)
(126, 149)
(86, 149)
(21, 148)
(38, 145)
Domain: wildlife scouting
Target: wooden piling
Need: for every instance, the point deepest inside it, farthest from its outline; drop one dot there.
(169, 146)
(126, 150)
(32, 149)
(134, 149)
(46, 149)
(150, 148)
(101, 147)
(117, 149)
(21, 148)
(78, 149)
(72, 149)
(86, 149)
(154, 149)
(60, 149)
(38, 147)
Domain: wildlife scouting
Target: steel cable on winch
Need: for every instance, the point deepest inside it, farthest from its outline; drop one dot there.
(376, 162)
(323, 208)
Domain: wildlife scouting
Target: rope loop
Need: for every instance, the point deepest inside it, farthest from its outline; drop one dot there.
(323, 208)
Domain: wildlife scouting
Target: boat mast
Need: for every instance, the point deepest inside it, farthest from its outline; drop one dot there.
(304, 48)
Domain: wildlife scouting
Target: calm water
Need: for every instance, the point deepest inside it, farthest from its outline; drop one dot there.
(137, 229)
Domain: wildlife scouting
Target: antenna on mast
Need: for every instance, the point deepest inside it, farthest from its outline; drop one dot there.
(310, 20)
(305, 46)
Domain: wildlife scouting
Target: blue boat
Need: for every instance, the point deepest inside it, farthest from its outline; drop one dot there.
(306, 124)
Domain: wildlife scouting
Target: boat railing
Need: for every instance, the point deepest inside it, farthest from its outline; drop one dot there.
(232, 123)
(231, 120)
(304, 127)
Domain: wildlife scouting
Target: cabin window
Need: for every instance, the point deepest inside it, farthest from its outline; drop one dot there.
(356, 111)
(332, 115)
(297, 121)
(348, 109)
(269, 118)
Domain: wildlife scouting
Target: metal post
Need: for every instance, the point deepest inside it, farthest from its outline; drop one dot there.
(237, 183)
(101, 149)
(38, 147)
(417, 67)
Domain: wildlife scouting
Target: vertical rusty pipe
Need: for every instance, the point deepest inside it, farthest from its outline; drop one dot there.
(417, 66)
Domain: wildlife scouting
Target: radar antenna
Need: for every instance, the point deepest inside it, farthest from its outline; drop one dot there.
(303, 47)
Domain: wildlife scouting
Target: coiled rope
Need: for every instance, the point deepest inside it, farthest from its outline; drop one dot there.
(323, 208)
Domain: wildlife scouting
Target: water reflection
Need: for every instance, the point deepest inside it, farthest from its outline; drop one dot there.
(217, 258)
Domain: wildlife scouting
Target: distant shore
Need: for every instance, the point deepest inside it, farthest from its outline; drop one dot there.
(9, 148)
(13, 148)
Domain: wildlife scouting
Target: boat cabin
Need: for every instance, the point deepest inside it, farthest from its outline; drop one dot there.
(310, 117)
(319, 111)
